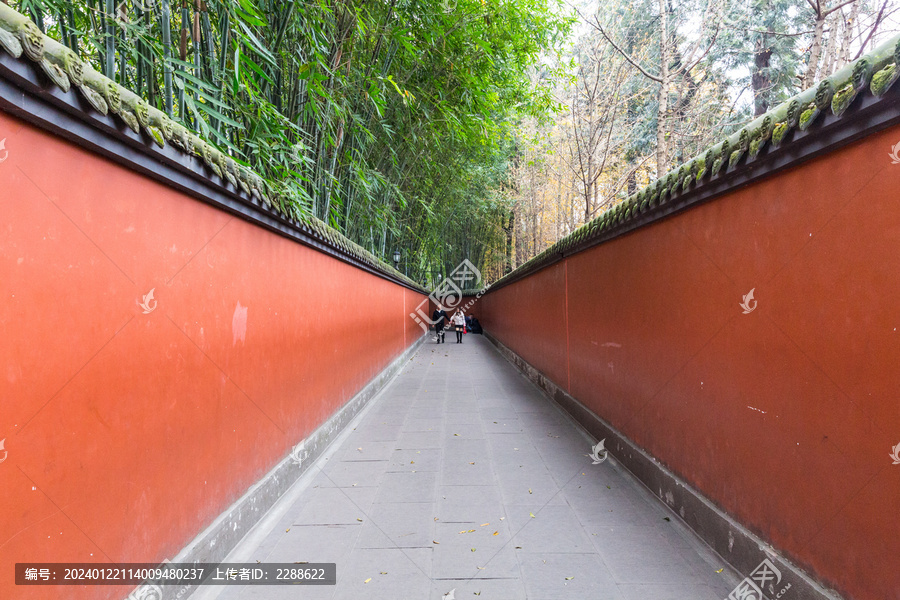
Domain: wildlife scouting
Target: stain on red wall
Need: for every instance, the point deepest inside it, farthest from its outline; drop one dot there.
(131, 422)
(785, 416)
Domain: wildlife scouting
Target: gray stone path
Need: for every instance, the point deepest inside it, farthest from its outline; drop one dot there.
(462, 476)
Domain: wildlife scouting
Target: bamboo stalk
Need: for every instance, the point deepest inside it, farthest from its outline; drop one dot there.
(109, 68)
(165, 27)
(72, 40)
(37, 15)
(182, 49)
(139, 47)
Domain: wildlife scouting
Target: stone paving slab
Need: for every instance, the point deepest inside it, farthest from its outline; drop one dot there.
(461, 476)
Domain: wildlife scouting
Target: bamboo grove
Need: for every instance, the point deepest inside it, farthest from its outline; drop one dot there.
(390, 120)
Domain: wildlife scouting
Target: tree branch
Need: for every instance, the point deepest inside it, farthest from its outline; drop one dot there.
(596, 25)
(841, 5)
(872, 31)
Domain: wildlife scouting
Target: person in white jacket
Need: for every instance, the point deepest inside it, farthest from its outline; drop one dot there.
(458, 320)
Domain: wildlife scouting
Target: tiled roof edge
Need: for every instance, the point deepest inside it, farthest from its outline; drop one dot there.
(21, 37)
(702, 177)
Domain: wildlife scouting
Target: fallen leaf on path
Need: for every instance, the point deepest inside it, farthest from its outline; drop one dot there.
(531, 514)
(496, 533)
(367, 580)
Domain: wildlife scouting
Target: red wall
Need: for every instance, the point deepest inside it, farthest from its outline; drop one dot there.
(784, 417)
(128, 433)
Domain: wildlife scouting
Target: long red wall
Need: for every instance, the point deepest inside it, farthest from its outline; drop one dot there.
(784, 417)
(128, 433)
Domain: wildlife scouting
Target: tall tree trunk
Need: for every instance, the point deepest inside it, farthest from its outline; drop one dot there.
(849, 24)
(510, 229)
(588, 184)
(662, 155)
(829, 57)
(815, 50)
(761, 81)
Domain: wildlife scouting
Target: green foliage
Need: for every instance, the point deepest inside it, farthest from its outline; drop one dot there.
(389, 120)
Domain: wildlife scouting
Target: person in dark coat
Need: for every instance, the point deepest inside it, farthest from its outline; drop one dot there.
(474, 325)
(439, 317)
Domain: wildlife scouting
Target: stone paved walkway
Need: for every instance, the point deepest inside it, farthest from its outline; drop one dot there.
(462, 476)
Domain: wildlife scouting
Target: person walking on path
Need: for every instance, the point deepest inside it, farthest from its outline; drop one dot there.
(459, 324)
(438, 319)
